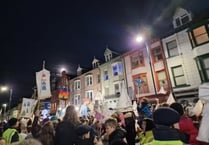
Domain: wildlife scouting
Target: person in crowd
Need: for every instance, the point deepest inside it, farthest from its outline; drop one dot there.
(23, 131)
(129, 118)
(65, 130)
(47, 134)
(146, 135)
(114, 131)
(86, 136)
(186, 125)
(164, 133)
(11, 134)
(30, 141)
(119, 142)
(2, 141)
(36, 126)
(144, 108)
(54, 120)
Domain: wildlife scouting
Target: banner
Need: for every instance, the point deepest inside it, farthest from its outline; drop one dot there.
(28, 106)
(43, 84)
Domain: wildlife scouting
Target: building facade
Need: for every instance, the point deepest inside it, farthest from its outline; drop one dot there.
(179, 53)
(112, 73)
(146, 72)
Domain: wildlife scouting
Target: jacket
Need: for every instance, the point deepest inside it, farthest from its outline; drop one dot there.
(11, 135)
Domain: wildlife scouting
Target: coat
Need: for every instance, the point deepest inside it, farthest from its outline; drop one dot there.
(65, 134)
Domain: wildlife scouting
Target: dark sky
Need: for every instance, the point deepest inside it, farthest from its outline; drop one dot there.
(68, 33)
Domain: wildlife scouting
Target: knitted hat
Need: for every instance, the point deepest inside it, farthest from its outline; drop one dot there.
(166, 116)
(178, 107)
(12, 122)
(82, 129)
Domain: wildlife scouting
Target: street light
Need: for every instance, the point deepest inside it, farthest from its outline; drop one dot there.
(5, 88)
(140, 39)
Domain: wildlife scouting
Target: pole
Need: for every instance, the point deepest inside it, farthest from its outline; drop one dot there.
(10, 101)
(150, 63)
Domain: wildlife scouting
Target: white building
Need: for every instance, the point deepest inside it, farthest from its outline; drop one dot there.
(181, 63)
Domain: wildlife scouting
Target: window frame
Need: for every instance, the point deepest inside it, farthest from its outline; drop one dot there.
(172, 48)
(77, 84)
(89, 80)
(139, 56)
(178, 76)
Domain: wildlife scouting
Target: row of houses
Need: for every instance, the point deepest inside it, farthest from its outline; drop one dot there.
(174, 64)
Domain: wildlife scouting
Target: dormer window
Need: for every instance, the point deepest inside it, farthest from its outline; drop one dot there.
(181, 17)
(182, 20)
(108, 54)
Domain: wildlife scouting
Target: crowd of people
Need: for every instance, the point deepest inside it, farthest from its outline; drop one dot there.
(165, 124)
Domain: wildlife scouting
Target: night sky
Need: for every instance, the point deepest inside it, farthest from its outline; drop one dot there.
(68, 33)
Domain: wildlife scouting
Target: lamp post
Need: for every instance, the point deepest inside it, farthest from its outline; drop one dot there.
(10, 101)
(4, 110)
(141, 39)
(3, 89)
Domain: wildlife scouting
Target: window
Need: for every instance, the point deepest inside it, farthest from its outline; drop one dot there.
(89, 80)
(182, 20)
(200, 35)
(206, 68)
(89, 95)
(172, 48)
(98, 78)
(140, 86)
(203, 66)
(105, 75)
(77, 99)
(156, 52)
(77, 85)
(178, 76)
(106, 91)
(162, 79)
(137, 59)
(185, 19)
(117, 69)
(117, 88)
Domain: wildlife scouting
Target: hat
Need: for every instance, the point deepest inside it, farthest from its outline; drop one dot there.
(54, 118)
(178, 107)
(165, 116)
(12, 122)
(82, 129)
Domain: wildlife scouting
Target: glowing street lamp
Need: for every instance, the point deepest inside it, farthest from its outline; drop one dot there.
(5, 88)
(141, 39)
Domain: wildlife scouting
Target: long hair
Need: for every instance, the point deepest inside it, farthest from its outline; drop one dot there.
(47, 134)
(71, 116)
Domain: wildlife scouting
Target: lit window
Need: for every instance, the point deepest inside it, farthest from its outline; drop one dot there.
(200, 35)
(106, 75)
(178, 76)
(117, 69)
(140, 86)
(172, 48)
